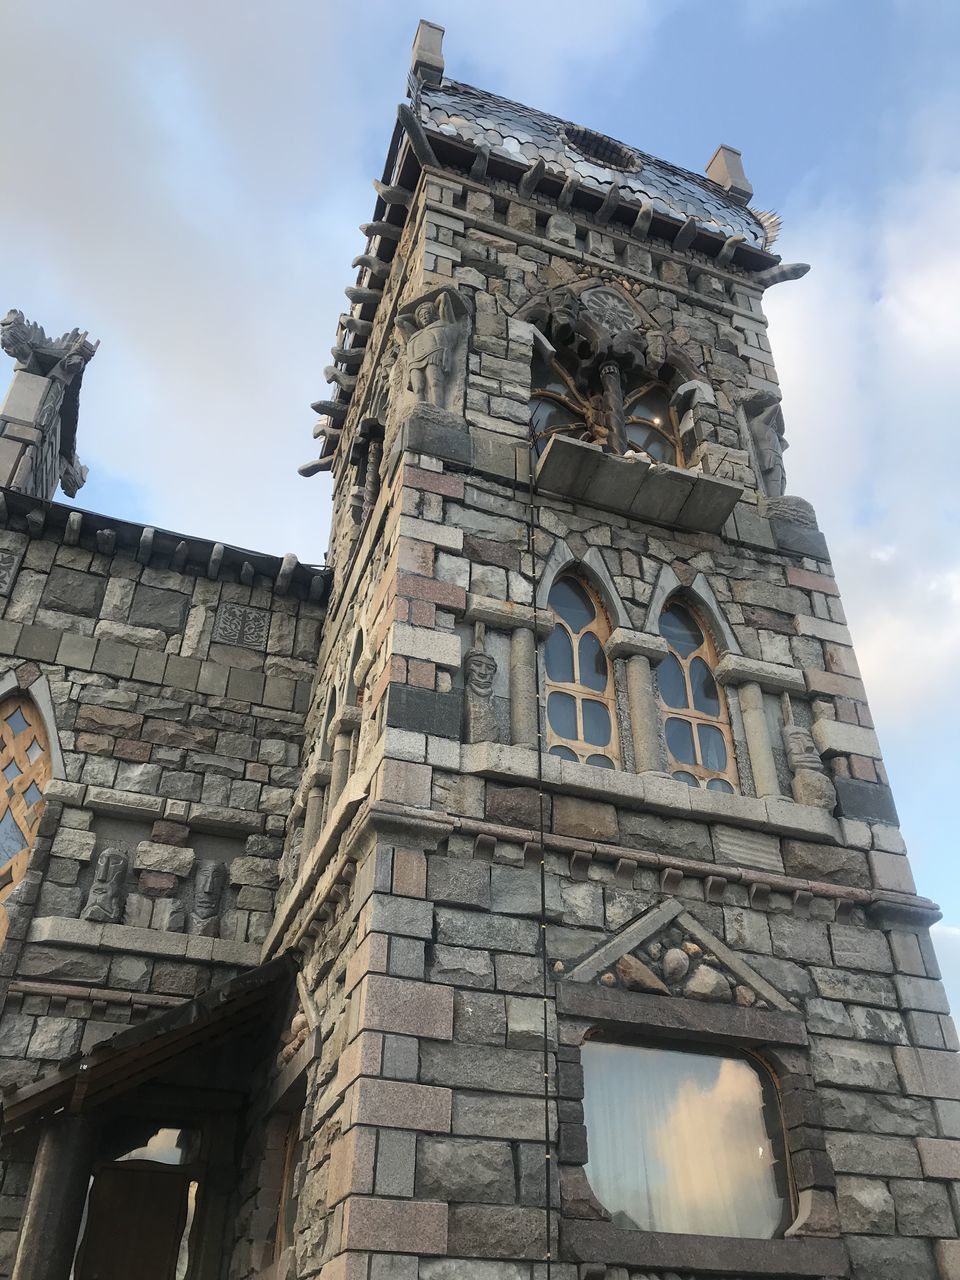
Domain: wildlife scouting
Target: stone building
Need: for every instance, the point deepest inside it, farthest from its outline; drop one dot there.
(520, 896)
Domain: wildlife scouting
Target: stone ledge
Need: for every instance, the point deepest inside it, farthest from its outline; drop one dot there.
(504, 615)
(59, 932)
(650, 791)
(624, 643)
(736, 669)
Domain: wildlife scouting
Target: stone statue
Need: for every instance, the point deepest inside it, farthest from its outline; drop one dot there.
(480, 725)
(811, 782)
(765, 418)
(431, 334)
(204, 915)
(105, 900)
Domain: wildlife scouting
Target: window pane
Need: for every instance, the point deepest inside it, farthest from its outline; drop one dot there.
(651, 404)
(713, 749)
(562, 714)
(680, 741)
(679, 629)
(593, 663)
(12, 839)
(17, 722)
(705, 695)
(600, 762)
(682, 776)
(32, 794)
(682, 1142)
(549, 416)
(34, 751)
(647, 439)
(11, 771)
(673, 688)
(559, 656)
(596, 723)
(720, 784)
(572, 604)
(564, 753)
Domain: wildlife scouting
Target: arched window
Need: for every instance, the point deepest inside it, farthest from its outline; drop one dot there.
(696, 724)
(25, 765)
(581, 712)
(649, 420)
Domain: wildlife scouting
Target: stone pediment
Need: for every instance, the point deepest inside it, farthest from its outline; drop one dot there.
(668, 952)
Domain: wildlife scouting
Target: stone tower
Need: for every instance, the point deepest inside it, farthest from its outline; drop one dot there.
(565, 930)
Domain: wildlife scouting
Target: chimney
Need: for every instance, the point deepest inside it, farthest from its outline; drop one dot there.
(427, 61)
(726, 170)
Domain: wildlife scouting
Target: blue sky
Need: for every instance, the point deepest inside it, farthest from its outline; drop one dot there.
(187, 182)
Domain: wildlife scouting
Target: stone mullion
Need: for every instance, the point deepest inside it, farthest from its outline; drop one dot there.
(524, 712)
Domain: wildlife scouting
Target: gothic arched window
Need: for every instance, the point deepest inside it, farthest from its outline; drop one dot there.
(696, 723)
(25, 765)
(581, 711)
(649, 421)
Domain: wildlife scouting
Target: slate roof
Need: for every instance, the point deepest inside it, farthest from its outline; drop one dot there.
(518, 133)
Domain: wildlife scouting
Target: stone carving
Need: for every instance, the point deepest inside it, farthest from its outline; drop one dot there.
(432, 329)
(104, 903)
(29, 345)
(612, 310)
(9, 564)
(811, 782)
(765, 419)
(241, 625)
(204, 915)
(479, 670)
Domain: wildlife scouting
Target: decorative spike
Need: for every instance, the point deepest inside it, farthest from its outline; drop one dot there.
(145, 549)
(348, 355)
(376, 266)
(569, 190)
(478, 170)
(365, 297)
(215, 561)
(392, 195)
(36, 520)
(333, 409)
(345, 381)
(106, 541)
(285, 574)
(641, 223)
(246, 573)
(728, 249)
(385, 230)
(71, 534)
(531, 179)
(610, 202)
(419, 142)
(687, 234)
(313, 468)
(778, 274)
(353, 324)
(179, 557)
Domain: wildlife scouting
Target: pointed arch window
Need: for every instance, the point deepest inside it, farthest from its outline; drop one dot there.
(25, 770)
(696, 721)
(581, 710)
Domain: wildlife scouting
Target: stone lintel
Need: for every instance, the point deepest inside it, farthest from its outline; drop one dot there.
(624, 643)
(57, 931)
(504, 615)
(736, 668)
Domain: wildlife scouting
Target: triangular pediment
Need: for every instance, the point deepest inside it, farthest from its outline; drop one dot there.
(668, 952)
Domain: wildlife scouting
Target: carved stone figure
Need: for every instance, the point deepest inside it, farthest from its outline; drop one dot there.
(766, 429)
(431, 335)
(204, 915)
(811, 782)
(104, 903)
(480, 668)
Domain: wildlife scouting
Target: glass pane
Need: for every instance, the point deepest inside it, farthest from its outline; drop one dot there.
(546, 377)
(32, 794)
(682, 1142)
(682, 776)
(564, 753)
(600, 762)
(650, 441)
(713, 749)
(679, 629)
(596, 723)
(11, 771)
(572, 604)
(547, 416)
(705, 695)
(593, 663)
(651, 404)
(17, 722)
(34, 751)
(680, 741)
(12, 839)
(559, 656)
(562, 714)
(673, 687)
(720, 784)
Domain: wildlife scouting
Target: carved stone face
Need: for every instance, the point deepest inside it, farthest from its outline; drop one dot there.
(208, 887)
(111, 867)
(801, 752)
(426, 315)
(480, 671)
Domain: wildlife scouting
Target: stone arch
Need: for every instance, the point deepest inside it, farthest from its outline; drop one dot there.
(701, 596)
(593, 567)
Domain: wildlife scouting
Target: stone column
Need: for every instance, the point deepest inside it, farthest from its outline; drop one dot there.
(758, 740)
(313, 816)
(55, 1199)
(524, 710)
(341, 734)
(642, 652)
